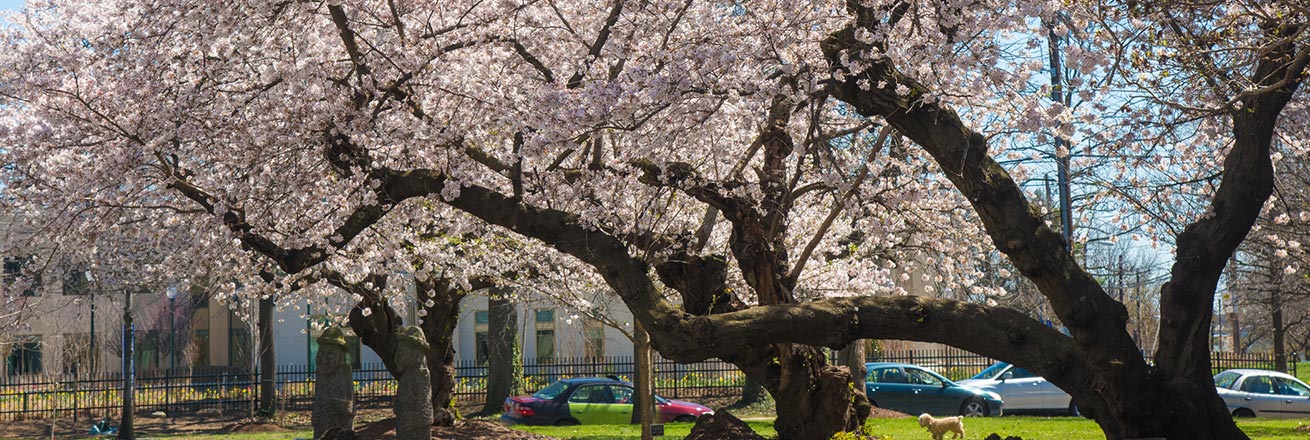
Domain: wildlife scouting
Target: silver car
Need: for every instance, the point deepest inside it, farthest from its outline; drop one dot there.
(1264, 393)
(1022, 390)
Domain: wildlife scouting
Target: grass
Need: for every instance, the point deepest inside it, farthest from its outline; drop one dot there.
(1030, 428)
(617, 432)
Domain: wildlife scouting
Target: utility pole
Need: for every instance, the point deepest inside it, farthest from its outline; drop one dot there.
(1137, 330)
(125, 429)
(1059, 96)
(1121, 278)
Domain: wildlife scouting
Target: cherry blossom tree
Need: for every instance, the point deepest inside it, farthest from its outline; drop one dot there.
(745, 177)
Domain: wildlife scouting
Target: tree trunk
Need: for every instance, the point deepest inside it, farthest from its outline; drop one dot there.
(267, 360)
(814, 400)
(378, 328)
(1280, 331)
(504, 365)
(751, 392)
(852, 357)
(438, 324)
(643, 400)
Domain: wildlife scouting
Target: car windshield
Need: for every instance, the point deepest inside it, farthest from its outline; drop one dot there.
(551, 391)
(991, 371)
(1225, 380)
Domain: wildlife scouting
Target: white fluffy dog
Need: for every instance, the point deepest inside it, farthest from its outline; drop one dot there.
(939, 427)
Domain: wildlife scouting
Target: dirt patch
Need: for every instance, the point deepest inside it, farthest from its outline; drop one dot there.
(881, 413)
(464, 430)
(1302, 428)
(722, 425)
(251, 427)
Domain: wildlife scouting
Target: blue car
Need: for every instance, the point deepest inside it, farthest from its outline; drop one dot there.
(912, 389)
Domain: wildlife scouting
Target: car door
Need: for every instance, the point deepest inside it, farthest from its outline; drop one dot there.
(887, 388)
(1296, 398)
(1036, 392)
(590, 404)
(1020, 388)
(620, 412)
(1260, 394)
(929, 394)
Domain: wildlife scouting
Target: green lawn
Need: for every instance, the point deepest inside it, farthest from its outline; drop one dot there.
(617, 432)
(1303, 371)
(1030, 428)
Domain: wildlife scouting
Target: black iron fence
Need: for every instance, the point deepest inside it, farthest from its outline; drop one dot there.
(232, 390)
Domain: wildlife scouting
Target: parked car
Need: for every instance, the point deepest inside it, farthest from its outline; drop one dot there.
(1022, 390)
(912, 389)
(592, 400)
(1264, 393)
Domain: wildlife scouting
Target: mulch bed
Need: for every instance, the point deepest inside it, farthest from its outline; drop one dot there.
(465, 429)
(880, 413)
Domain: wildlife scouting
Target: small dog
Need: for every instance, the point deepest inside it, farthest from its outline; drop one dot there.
(939, 427)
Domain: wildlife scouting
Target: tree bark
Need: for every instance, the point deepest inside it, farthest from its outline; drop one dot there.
(504, 364)
(852, 357)
(377, 330)
(438, 324)
(643, 400)
(267, 360)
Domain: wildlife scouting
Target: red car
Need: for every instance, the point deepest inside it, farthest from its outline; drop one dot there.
(592, 400)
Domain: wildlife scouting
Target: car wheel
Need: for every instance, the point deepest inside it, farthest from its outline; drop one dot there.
(973, 408)
(566, 422)
(685, 419)
(1243, 412)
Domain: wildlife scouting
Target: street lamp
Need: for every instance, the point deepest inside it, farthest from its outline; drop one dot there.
(171, 293)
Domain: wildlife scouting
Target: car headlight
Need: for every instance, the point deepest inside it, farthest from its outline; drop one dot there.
(992, 396)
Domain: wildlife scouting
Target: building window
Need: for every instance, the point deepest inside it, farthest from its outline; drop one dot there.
(24, 356)
(239, 347)
(480, 349)
(14, 277)
(545, 335)
(147, 351)
(76, 283)
(77, 353)
(200, 340)
(593, 333)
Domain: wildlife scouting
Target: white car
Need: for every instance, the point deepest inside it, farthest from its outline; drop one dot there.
(1022, 390)
(1264, 393)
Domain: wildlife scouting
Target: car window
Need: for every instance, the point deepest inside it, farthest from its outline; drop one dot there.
(1226, 379)
(622, 394)
(991, 372)
(591, 394)
(1258, 385)
(887, 375)
(1020, 373)
(921, 377)
(552, 391)
(1293, 388)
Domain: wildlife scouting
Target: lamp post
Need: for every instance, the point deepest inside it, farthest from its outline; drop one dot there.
(125, 427)
(171, 293)
(90, 285)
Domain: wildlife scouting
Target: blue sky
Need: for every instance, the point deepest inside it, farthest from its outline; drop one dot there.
(11, 4)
